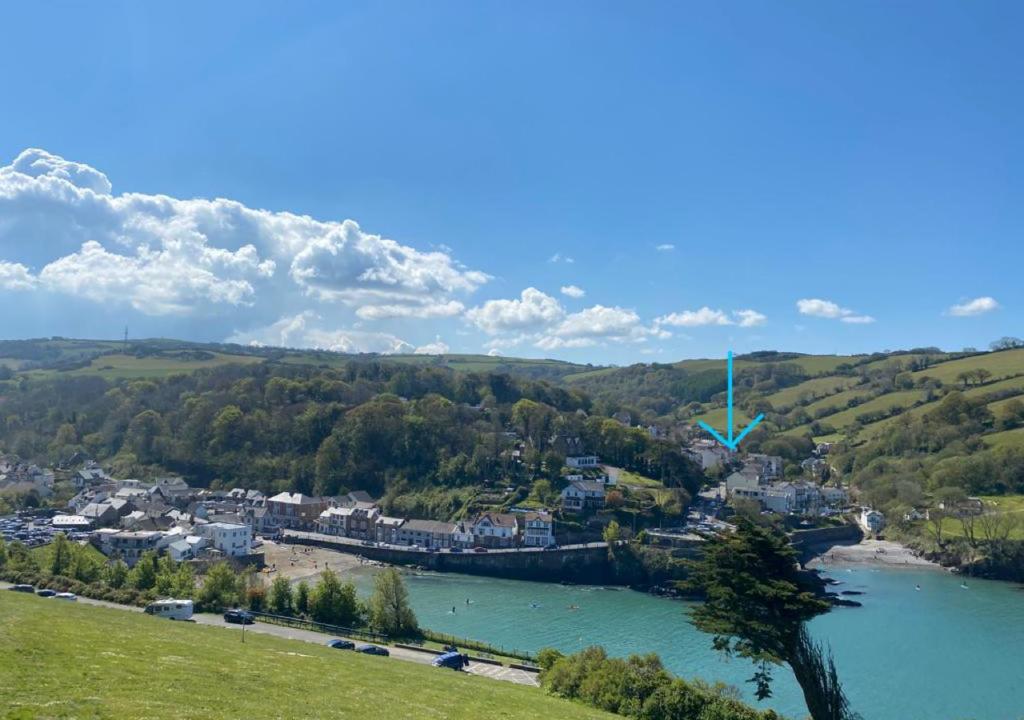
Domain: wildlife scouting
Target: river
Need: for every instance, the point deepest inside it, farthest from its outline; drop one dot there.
(941, 652)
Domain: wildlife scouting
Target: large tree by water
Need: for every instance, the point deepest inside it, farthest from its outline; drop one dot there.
(756, 606)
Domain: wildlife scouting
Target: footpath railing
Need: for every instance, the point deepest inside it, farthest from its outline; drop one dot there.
(476, 646)
(303, 624)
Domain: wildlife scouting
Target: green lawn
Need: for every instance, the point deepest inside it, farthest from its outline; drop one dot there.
(64, 660)
(636, 480)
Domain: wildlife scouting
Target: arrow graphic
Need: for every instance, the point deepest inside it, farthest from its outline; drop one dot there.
(732, 442)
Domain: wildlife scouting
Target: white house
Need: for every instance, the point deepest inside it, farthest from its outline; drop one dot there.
(582, 461)
(495, 530)
(538, 529)
(179, 550)
(232, 539)
(871, 520)
(581, 495)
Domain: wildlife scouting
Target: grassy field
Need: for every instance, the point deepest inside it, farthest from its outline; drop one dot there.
(993, 503)
(1007, 438)
(817, 387)
(1000, 364)
(129, 366)
(718, 419)
(80, 661)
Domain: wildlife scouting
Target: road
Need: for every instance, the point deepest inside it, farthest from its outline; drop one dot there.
(357, 545)
(495, 672)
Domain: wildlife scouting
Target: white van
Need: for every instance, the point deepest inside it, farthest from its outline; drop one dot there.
(171, 609)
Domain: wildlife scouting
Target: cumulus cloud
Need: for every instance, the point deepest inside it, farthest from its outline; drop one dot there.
(559, 257)
(695, 318)
(749, 318)
(708, 316)
(977, 306)
(596, 324)
(438, 347)
(166, 255)
(573, 291)
(665, 247)
(540, 319)
(306, 330)
(15, 276)
(533, 309)
(817, 307)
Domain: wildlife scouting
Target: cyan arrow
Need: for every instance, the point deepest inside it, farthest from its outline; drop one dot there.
(731, 443)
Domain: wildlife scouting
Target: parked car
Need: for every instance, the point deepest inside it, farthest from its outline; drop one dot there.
(372, 650)
(455, 549)
(479, 549)
(46, 592)
(452, 659)
(66, 596)
(339, 644)
(551, 546)
(239, 617)
(22, 588)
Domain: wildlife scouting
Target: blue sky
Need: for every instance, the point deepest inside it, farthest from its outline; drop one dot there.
(819, 177)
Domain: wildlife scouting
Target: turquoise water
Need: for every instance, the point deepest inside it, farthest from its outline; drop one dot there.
(938, 653)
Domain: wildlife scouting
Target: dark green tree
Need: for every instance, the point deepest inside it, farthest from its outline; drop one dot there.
(334, 602)
(756, 604)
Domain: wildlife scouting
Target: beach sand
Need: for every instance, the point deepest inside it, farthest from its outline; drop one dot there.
(870, 552)
(298, 562)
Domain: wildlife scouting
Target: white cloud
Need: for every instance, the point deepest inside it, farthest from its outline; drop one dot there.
(573, 291)
(817, 307)
(595, 324)
(708, 316)
(15, 276)
(533, 310)
(305, 330)
(749, 318)
(438, 347)
(665, 247)
(695, 318)
(494, 352)
(977, 306)
(165, 255)
(559, 257)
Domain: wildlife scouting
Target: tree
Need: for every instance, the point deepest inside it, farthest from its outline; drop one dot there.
(612, 533)
(302, 598)
(756, 605)
(281, 600)
(61, 556)
(143, 575)
(220, 588)
(117, 574)
(1006, 343)
(390, 611)
(332, 602)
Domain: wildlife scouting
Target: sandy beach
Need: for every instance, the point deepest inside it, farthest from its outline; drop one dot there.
(298, 562)
(870, 552)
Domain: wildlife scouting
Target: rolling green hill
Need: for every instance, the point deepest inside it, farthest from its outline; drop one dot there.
(81, 661)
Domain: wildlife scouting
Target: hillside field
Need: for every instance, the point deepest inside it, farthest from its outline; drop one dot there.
(82, 661)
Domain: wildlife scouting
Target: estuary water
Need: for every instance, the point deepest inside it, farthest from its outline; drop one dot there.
(934, 653)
